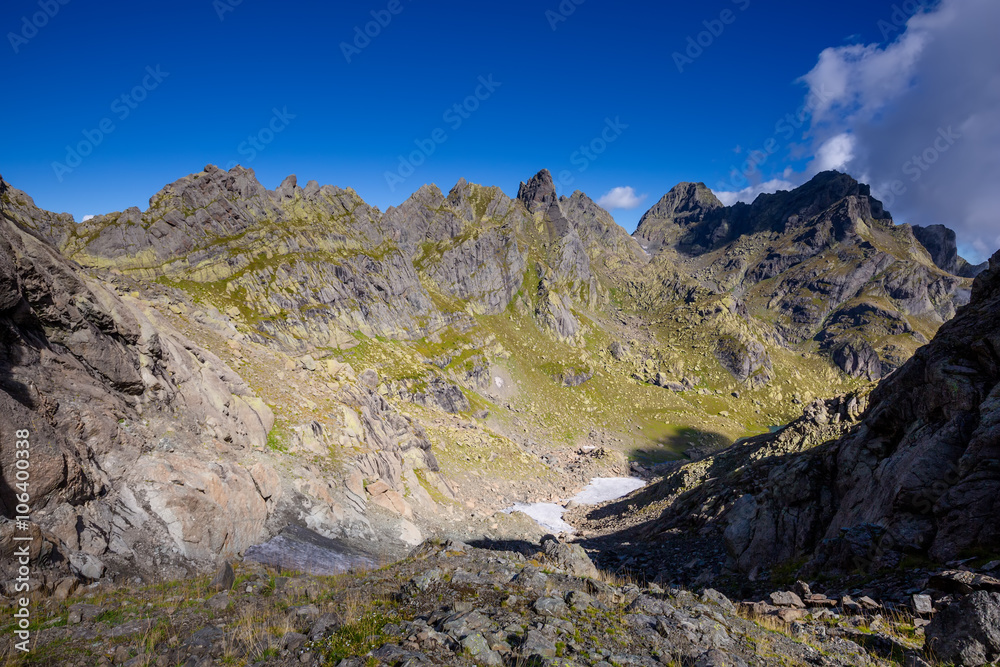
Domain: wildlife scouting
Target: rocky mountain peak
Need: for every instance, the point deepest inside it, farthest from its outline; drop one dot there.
(288, 187)
(539, 193)
(20, 208)
(685, 204)
(477, 203)
(940, 242)
(815, 196)
(686, 200)
(230, 199)
(942, 246)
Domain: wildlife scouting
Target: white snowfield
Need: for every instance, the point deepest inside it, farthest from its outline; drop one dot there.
(547, 515)
(603, 489)
(600, 489)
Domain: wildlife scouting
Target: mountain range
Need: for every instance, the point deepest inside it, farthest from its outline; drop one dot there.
(235, 364)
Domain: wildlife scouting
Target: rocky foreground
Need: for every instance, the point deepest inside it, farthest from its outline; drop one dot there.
(452, 604)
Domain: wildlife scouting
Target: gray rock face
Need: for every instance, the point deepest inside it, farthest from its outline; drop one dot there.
(539, 193)
(967, 632)
(917, 476)
(550, 606)
(224, 578)
(923, 605)
(10, 288)
(389, 436)
(601, 235)
(787, 599)
(447, 396)
(686, 204)
(745, 358)
(940, 242)
(574, 377)
(486, 270)
(942, 245)
(81, 362)
(86, 566)
(554, 312)
(859, 359)
(301, 549)
(467, 244)
(618, 350)
(20, 209)
(537, 644)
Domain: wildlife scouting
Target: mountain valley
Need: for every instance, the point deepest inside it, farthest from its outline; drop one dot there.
(807, 388)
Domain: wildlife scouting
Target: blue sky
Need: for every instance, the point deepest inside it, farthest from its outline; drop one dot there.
(535, 83)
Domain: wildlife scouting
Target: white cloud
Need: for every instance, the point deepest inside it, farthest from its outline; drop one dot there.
(748, 194)
(623, 197)
(919, 119)
(87, 217)
(835, 153)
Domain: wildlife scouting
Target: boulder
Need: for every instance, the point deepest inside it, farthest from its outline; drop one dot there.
(550, 606)
(224, 578)
(787, 599)
(570, 557)
(85, 565)
(963, 582)
(922, 605)
(967, 632)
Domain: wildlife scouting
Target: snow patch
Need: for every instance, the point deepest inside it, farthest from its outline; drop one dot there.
(546, 515)
(600, 489)
(603, 489)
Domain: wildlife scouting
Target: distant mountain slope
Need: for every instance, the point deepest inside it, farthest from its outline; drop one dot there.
(722, 297)
(823, 264)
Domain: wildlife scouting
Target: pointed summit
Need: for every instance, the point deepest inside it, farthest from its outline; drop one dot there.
(288, 187)
(686, 201)
(539, 193)
(685, 204)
